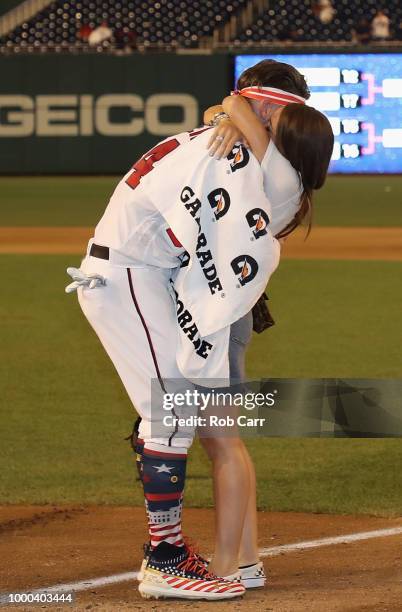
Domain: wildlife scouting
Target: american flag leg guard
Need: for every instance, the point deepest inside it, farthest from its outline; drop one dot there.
(163, 477)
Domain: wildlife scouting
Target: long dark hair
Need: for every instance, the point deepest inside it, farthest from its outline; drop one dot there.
(305, 137)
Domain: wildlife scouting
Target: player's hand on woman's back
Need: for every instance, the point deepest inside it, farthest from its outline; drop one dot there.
(223, 139)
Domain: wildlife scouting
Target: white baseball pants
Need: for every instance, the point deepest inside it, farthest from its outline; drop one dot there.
(135, 319)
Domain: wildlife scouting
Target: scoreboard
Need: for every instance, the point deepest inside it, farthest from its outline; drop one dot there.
(361, 94)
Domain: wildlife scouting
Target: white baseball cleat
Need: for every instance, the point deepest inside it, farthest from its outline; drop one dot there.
(173, 571)
(253, 576)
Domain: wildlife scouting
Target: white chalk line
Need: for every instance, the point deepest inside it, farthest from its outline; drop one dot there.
(273, 551)
(345, 539)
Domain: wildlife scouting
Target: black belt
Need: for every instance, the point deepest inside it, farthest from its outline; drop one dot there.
(101, 252)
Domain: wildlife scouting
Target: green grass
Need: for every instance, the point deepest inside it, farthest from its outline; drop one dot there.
(333, 319)
(317, 475)
(75, 201)
(64, 413)
(360, 201)
(54, 201)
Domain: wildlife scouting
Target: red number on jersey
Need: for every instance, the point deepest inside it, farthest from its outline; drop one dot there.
(146, 163)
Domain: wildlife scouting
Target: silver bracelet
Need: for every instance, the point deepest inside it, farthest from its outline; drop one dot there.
(217, 118)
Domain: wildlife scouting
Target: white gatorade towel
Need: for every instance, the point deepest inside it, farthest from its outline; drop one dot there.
(218, 212)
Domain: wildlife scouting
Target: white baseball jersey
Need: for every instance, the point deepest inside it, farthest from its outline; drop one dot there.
(134, 315)
(133, 226)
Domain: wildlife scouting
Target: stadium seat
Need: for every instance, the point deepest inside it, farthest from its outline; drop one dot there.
(157, 24)
(295, 20)
(185, 23)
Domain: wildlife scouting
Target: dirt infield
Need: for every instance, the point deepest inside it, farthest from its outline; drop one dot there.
(323, 243)
(47, 545)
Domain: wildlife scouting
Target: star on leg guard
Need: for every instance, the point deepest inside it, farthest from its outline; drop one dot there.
(163, 476)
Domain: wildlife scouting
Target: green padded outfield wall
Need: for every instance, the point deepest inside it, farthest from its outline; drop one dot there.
(84, 114)
(8, 5)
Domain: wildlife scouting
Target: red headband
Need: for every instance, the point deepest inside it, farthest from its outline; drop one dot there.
(276, 96)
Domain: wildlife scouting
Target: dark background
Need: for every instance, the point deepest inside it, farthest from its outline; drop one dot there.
(206, 78)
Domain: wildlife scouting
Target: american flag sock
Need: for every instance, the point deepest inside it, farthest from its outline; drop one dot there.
(163, 472)
(170, 533)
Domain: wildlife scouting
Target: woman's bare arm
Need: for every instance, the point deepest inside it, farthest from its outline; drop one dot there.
(224, 136)
(223, 139)
(243, 116)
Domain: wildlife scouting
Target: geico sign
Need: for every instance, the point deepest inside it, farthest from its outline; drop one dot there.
(72, 115)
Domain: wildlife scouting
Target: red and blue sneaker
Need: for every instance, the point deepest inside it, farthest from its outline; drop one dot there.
(175, 571)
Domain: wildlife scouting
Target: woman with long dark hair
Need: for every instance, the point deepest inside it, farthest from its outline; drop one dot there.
(292, 142)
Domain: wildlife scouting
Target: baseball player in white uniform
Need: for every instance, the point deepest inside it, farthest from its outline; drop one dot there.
(123, 290)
